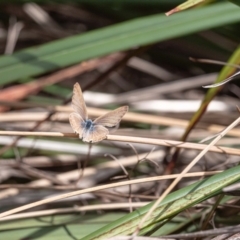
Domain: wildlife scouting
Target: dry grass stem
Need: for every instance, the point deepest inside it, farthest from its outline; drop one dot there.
(94, 207)
(181, 175)
(160, 142)
(98, 188)
(63, 115)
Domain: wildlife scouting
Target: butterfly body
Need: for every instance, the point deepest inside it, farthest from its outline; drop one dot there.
(88, 125)
(88, 130)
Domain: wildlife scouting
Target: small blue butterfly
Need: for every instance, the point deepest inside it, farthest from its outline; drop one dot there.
(88, 130)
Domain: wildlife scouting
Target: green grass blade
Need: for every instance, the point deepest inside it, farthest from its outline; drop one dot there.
(237, 2)
(123, 36)
(59, 227)
(170, 206)
(187, 4)
(226, 72)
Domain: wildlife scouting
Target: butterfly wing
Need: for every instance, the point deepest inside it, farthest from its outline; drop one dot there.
(96, 134)
(76, 123)
(112, 118)
(78, 103)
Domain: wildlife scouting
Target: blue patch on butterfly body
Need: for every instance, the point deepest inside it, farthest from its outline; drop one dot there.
(88, 125)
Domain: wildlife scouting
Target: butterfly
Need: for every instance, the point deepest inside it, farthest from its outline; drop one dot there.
(89, 130)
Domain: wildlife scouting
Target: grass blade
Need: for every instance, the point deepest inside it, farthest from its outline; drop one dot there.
(119, 37)
(170, 206)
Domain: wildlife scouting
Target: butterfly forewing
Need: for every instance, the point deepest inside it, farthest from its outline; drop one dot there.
(78, 103)
(112, 118)
(98, 133)
(76, 123)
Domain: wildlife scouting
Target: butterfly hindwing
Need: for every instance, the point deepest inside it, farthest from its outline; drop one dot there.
(78, 103)
(96, 134)
(112, 118)
(76, 123)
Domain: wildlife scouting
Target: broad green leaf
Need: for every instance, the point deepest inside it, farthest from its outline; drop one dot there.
(119, 37)
(170, 206)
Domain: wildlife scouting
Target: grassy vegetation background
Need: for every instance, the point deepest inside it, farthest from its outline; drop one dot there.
(121, 53)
